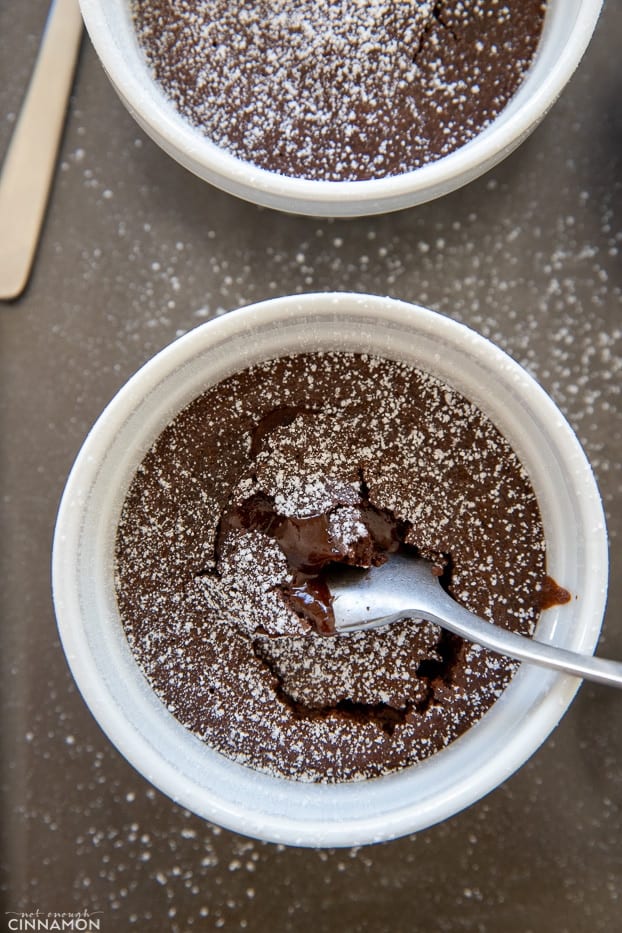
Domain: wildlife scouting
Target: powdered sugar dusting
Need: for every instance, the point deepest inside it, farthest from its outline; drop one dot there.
(200, 598)
(339, 89)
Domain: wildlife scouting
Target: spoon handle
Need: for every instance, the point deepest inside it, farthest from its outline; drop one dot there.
(378, 597)
(462, 622)
(29, 164)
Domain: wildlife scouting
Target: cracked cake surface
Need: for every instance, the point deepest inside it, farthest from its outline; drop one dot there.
(251, 490)
(339, 89)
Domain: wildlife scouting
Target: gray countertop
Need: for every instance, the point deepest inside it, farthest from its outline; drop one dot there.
(137, 251)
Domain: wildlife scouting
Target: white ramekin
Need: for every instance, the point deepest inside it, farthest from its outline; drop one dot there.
(569, 25)
(110, 680)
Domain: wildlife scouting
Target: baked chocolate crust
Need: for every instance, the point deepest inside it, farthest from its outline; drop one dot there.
(338, 90)
(203, 591)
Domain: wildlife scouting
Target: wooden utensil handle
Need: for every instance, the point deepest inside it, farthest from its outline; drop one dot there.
(31, 158)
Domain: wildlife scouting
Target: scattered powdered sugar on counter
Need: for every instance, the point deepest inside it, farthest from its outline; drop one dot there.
(335, 89)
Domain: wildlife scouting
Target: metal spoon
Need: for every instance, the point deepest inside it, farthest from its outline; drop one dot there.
(406, 587)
